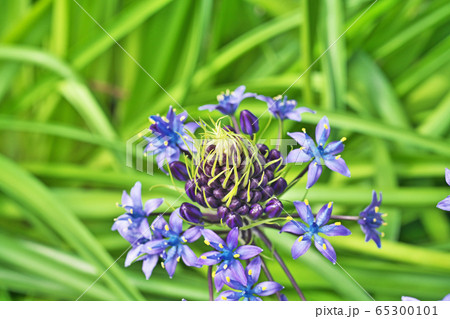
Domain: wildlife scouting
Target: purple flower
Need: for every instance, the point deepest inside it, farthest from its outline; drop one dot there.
(139, 253)
(227, 254)
(371, 219)
(170, 135)
(283, 108)
(133, 223)
(245, 287)
(320, 154)
(312, 229)
(406, 298)
(172, 244)
(228, 102)
(445, 203)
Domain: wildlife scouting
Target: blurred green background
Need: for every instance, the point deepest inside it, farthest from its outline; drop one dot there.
(70, 98)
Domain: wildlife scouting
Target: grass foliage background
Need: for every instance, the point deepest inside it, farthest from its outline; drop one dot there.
(70, 98)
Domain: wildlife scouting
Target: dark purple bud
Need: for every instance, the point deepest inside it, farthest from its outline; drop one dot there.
(229, 128)
(202, 180)
(179, 171)
(190, 190)
(267, 192)
(243, 195)
(279, 186)
(269, 174)
(210, 148)
(213, 202)
(243, 210)
(233, 220)
(222, 212)
(219, 193)
(255, 211)
(207, 190)
(273, 155)
(254, 183)
(263, 149)
(200, 199)
(249, 123)
(257, 196)
(190, 213)
(257, 168)
(273, 208)
(263, 180)
(235, 203)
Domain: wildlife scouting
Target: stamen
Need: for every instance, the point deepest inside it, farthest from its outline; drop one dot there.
(182, 118)
(225, 266)
(117, 204)
(151, 120)
(300, 238)
(338, 223)
(374, 220)
(304, 130)
(220, 245)
(343, 139)
(324, 247)
(166, 227)
(207, 242)
(166, 143)
(382, 234)
(329, 204)
(203, 257)
(306, 202)
(213, 274)
(325, 126)
(249, 272)
(129, 219)
(338, 157)
(264, 288)
(377, 209)
(227, 278)
(289, 218)
(183, 239)
(162, 265)
(385, 224)
(224, 298)
(236, 255)
(131, 211)
(178, 259)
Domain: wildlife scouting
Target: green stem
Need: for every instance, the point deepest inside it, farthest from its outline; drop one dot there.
(235, 124)
(280, 133)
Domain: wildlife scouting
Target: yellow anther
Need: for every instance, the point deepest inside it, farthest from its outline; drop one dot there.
(207, 242)
(300, 238)
(304, 130)
(129, 219)
(220, 245)
(338, 157)
(145, 154)
(289, 218)
(166, 143)
(302, 148)
(385, 224)
(306, 202)
(131, 211)
(225, 266)
(178, 259)
(227, 278)
(203, 257)
(151, 120)
(324, 247)
(117, 204)
(236, 255)
(182, 118)
(374, 220)
(377, 209)
(220, 97)
(224, 298)
(166, 227)
(338, 223)
(264, 288)
(249, 272)
(382, 234)
(343, 139)
(325, 126)
(278, 97)
(183, 239)
(153, 227)
(115, 219)
(330, 204)
(162, 265)
(150, 248)
(315, 163)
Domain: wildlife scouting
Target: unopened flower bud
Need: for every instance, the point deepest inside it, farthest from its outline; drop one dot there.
(279, 186)
(273, 208)
(190, 213)
(222, 212)
(233, 220)
(255, 211)
(179, 171)
(249, 123)
(190, 190)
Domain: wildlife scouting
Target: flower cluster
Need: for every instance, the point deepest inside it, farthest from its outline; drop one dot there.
(233, 186)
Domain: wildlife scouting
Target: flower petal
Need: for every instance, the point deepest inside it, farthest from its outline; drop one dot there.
(188, 256)
(152, 204)
(325, 248)
(154, 247)
(219, 280)
(334, 148)
(322, 131)
(248, 251)
(132, 255)
(237, 272)
(209, 107)
(406, 298)
(293, 228)
(175, 221)
(252, 271)
(304, 212)
(446, 298)
(135, 194)
(300, 138)
(447, 176)
(192, 234)
(323, 216)
(160, 224)
(126, 200)
(191, 127)
(210, 258)
(149, 264)
(263, 98)
(301, 246)
(444, 204)
(212, 238)
(314, 172)
(337, 164)
(297, 156)
(228, 295)
(267, 288)
(232, 238)
(171, 262)
(335, 230)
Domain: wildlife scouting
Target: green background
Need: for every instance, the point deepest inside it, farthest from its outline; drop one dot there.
(70, 98)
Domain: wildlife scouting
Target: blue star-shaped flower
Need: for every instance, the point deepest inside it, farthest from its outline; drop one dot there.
(228, 102)
(320, 154)
(445, 203)
(245, 287)
(371, 219)
(133, 223)
(282, 108)
(173, 240)
(170, 136)
(227, 254)
(312, 230)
